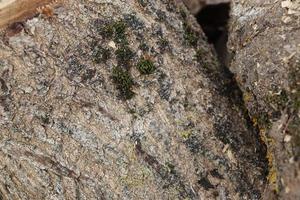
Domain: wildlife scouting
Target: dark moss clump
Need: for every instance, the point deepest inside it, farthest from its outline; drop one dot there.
(263, 120)
(183, 13)
(124, 54)
(120, 32)
(146, 66)
(189, 35)
(123, 81)
(101, 54)
(107, 30)
(116, 31)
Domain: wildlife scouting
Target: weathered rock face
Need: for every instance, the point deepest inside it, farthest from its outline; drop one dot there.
(195, 6)
(266, 45)
(120, 100)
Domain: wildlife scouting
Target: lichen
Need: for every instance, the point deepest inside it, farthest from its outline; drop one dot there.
(186, 134)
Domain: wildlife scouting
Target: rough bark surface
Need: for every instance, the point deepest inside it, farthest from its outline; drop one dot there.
(78, 120)
(265, 42)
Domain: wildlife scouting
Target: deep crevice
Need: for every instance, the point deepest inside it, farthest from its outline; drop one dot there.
(214, 22)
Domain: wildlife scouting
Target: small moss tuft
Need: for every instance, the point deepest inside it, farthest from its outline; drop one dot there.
(123, 81)
(183, 13)
(189, 35)
(119, 28)
(146, 66)
(106, 31)
(116, 31)
(124, 55)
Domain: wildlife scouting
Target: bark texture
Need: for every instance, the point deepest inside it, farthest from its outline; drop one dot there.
(265, 42)
(121, 100)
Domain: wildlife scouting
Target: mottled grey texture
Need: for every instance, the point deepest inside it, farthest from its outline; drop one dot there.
(66, 133)
(265, 42)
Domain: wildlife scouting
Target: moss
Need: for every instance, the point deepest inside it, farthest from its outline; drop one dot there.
(183, 13)
(189, 35)
(124, 55)
(116, 31)
(106, 30)
(123, 81)
(146, 66)
(101, 54)
(120, 32)
(262, 120)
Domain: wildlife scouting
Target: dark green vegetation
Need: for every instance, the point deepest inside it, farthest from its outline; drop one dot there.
(146, 66)
(189, 35)
(123, 81)
(116, 31)
(124, 55)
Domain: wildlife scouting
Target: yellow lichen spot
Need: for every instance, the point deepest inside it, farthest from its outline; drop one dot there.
(186, 134)
(247, 97)
(136, 178)
(255, 121)
(272, 176)
(131, 153)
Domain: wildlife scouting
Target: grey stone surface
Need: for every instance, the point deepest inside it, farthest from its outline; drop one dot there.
(265, 41)
(79, 120)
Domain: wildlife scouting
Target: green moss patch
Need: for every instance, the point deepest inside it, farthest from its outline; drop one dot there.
(123, 81)
(146, 66)
(190, 35)
(124, 54)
